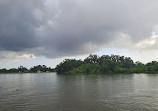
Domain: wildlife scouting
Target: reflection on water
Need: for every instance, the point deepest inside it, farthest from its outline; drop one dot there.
(52, 92)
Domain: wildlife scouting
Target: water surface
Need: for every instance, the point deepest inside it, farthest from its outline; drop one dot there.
(52, 92)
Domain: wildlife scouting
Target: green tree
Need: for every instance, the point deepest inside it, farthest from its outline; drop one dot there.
(22, 69)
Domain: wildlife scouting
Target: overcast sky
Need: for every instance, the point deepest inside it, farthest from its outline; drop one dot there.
(47, 31)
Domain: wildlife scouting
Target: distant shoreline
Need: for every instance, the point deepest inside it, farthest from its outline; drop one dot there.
(28, 73)
(93, 64)
(34, 69)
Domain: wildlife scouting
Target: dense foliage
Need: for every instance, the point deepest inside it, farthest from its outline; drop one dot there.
(21, 69)
(106, 64)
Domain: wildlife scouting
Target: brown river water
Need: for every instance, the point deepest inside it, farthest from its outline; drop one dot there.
(53, 92)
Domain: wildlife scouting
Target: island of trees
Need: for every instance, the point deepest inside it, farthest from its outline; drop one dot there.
(105, 64)
(34, 69)
(93, 64)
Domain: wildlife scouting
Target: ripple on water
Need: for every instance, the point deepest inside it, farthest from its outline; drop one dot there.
(47, 92)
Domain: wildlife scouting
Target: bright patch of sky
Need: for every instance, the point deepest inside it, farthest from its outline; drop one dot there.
(45, 1)
(31, 62)
(135, 55)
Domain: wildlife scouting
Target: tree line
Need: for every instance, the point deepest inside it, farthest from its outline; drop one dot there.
(106, 64)
(22, 69)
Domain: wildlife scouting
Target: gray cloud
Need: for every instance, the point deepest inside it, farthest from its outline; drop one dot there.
(74, 27)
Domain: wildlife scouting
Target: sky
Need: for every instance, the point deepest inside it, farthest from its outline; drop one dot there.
(46, 32)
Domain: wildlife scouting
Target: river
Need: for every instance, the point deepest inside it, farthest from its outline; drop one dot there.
(53, 92)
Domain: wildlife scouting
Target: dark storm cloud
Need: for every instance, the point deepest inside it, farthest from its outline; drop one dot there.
(73, 27)
(17, 25)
